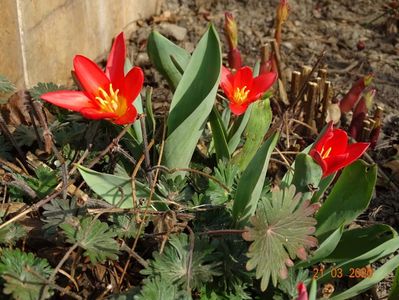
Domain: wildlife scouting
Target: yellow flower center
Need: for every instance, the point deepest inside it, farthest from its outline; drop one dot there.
(325, 154)
(111, 102)
(241, 95)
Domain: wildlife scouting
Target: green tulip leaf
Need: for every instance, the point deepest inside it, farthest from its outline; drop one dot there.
(116, 190)
(365, 239)
(252, 180)
(235, 132)
(219, 135)
(168, 58)
(324, 250)
(363, 260)
(258, 125)
(193, 101)
(380, 274)
(307, 175)
(349, 197)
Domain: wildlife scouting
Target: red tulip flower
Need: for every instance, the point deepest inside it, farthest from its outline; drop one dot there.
(332, 151)
(106, 95)
(302, 292)
(241, 88)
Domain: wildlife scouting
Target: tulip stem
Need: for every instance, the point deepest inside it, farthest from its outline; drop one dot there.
(147, 161)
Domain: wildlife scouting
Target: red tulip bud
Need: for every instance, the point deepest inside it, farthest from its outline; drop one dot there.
(350, 99)
(230, 28)
(302, 292)
(374, 135)
(234, 58)
(282, 16)
(360, 112)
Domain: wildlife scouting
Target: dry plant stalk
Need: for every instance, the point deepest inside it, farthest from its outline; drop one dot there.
(325, 102)
(310, 106)
(295, 80)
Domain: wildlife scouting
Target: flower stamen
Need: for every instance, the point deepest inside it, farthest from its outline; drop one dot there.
(111, 102)
(241, 95)
(325, 154)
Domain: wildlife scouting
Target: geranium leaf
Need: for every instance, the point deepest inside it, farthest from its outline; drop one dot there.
(173, 264)
(227, 174)
(23, 274)
(94, 236)
(279, 233)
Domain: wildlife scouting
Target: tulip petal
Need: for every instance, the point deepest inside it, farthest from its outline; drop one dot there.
(261, 84)
(96, 114)
(335, 163)
(338, 142)
(355, 151)
(73, 100)
(90, 76)
(226, 83)
(238, 109)
(317, 157)
(129, 117)
(133, 84)
(116, 62)
(243, 77)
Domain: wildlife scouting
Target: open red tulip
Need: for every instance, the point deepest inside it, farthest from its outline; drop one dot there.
(106, 95)
(332, 152)
(241, 88)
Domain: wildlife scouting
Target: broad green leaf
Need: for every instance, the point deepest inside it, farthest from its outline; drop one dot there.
(394, 291)
(19, 271)
(279, 233)
(289, 175)
(307, 175)
(252, 180)
(365, 239)
(168, 58)
(94, 236)
(349, 197)
(367, 258)
(193, 101)
(324, 250)
(219, 135)
(258, 125)
(116, 190)
(380, 274)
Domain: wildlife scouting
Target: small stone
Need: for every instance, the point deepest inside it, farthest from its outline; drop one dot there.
(172, 30)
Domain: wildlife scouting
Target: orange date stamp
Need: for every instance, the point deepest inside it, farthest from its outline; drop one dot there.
(364, 272)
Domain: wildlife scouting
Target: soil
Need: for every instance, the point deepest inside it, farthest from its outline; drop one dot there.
(359, 37)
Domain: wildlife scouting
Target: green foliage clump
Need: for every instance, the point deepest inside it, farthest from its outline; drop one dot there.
(24, 274)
